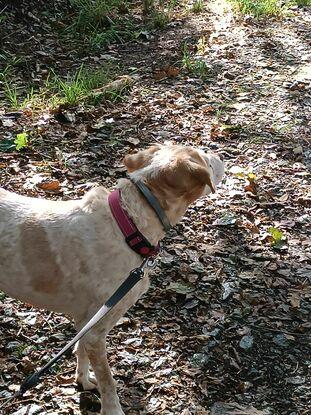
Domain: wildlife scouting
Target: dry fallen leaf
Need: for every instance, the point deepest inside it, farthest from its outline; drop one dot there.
(159, 75)
(172, 71)
(49, 186)
(294, 299)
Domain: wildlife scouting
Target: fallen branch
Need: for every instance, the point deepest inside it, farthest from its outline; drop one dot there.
(114, 87)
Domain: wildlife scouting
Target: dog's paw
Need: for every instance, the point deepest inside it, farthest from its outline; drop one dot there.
(87, 383)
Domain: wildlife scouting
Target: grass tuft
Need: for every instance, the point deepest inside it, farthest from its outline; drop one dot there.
(261, 8)
(160, 19)
(101, 22)
(76, 88)
(303, 3)
(194, 65)
(198, 6)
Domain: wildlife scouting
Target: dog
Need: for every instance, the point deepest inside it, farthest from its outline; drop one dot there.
(70, 256)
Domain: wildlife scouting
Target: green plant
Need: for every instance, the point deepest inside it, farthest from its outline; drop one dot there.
(123, 30)
(260, 7)
(303, 3)
(79, 86)
(10, 90)
(198, 6)
(21, 141)
(194, 65)
(95, 13)
(277, 238)
(101, 22)
(10, 93)
(160, 19)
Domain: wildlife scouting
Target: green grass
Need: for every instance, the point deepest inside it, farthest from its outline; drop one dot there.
(260, 8)
(9, 90)
(160, 19)
(120, 32)
(303, 3)
(10, 94)
(96, 14)
(198, 6)
(76, 88)
(194, 66)
(101, 22)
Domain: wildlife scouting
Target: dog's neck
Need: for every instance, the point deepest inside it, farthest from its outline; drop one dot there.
(142, 213)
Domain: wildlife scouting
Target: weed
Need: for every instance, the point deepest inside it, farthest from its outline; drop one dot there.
(10, 93)
(119, 33)
(302, 3)
(260, 7)
(102, 39)
(37, 99)
(79, 86)
(95, 14)
(198, 6)
(74, 89)
(21, 141)
(99, 22)
(267, 7)
(9, 90)
(195, 66)
(160, 19)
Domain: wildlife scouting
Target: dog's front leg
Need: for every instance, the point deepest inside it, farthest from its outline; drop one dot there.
(106, 385)
(83, 376)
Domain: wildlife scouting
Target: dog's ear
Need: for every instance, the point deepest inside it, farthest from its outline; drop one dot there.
(139, 160)
(202, 174)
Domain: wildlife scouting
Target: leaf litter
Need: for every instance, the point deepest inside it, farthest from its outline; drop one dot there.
(224, 328)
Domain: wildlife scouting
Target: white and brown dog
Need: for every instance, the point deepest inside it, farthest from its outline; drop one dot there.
(70, 256)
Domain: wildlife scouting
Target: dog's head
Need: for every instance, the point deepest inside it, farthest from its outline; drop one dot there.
(176, 173)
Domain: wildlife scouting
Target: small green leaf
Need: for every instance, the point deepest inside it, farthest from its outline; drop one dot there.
(278, 237)
(21, 141)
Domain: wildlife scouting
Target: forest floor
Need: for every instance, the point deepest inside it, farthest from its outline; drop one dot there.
(225, 326)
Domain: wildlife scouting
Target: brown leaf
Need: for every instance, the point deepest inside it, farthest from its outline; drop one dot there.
(294, 299)
(159, 75)
(50, 186)
(251, 187)
(172, 71)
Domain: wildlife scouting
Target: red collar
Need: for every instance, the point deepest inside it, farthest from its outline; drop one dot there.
(135, 240)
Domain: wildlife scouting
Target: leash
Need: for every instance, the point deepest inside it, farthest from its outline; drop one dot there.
(133, 278)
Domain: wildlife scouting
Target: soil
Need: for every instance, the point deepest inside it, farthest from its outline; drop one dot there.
(225, 326)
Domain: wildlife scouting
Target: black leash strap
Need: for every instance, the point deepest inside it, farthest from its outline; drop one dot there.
(135, 276)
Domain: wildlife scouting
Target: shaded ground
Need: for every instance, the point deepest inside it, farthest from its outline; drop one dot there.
(227, 317)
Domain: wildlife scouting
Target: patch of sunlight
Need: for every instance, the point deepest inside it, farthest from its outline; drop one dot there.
(224, 21)
(303, 73)
(224, 13)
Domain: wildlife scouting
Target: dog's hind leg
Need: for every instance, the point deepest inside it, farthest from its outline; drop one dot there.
(83, 376)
